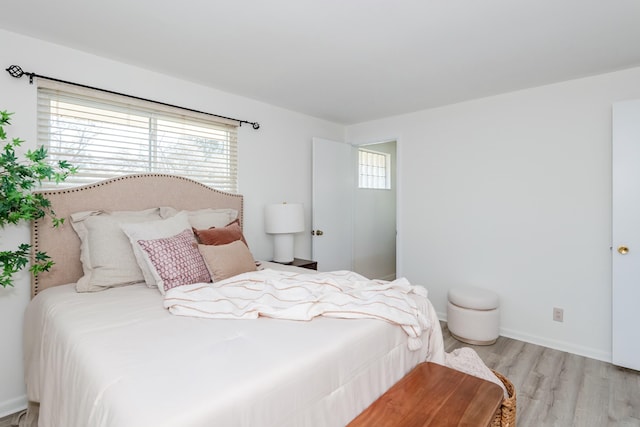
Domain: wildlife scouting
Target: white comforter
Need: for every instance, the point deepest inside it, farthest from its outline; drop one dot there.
(303, 296)
(118, 358)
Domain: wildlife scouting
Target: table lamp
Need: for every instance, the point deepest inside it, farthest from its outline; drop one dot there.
(283, 220)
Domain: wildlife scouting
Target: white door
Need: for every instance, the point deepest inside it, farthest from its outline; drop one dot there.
(626, 235)
(333, 181)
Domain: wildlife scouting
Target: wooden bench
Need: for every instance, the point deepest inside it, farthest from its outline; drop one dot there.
(434, 395)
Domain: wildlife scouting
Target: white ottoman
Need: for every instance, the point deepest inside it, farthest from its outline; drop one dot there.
(473, 315)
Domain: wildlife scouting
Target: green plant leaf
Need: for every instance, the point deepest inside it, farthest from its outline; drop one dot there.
(18, 203)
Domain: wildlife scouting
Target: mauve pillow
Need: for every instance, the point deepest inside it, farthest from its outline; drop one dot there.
(221, 235)
(176, 261)
(159, 229)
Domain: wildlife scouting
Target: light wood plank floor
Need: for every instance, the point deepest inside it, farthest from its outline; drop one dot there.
(555, 388)
(9, 421)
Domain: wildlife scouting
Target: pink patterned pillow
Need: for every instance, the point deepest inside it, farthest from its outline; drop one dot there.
(176, 260)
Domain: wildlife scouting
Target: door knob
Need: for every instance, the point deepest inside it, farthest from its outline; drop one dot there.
(623, 250)
(317, 232)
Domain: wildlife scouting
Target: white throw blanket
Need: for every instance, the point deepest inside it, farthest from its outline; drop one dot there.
(296, 296)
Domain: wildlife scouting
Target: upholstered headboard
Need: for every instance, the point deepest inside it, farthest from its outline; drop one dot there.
(130, 192)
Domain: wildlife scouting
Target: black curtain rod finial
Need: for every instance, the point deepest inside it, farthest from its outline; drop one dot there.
(254, 125)
(17, 72)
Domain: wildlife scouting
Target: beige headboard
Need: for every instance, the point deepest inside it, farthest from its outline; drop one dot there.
(130, 192)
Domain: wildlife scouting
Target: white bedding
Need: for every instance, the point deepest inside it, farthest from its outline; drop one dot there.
(119, 359)
(303, 296)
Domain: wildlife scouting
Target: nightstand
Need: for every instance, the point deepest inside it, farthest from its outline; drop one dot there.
(304, 263)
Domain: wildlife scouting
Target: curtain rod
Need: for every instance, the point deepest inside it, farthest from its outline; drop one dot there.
(17, 72)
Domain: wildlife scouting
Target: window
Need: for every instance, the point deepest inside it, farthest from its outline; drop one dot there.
(106, 135)
(374, 169)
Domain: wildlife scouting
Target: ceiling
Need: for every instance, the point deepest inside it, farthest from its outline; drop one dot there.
(347, 61)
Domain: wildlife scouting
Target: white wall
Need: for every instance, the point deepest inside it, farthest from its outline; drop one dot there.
(513, 193)
(374, 244)
(510, 192)
(275, 161)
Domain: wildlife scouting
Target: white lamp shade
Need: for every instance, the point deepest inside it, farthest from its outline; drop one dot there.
(284, 218)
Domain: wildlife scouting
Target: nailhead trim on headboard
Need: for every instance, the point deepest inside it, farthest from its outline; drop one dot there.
(42, 229)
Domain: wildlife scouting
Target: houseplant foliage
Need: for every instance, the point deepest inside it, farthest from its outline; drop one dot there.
(18, 178)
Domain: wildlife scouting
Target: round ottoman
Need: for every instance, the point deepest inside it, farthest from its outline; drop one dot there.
(473, 315)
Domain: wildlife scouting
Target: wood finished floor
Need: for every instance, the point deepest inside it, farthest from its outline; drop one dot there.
(9, 421)
(554, 388)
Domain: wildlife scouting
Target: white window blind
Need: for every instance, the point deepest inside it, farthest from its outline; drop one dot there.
(374, 169)
(106, 135)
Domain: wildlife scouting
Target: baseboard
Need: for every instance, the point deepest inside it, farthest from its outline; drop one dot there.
(579, 350)
(589, 352)
(12, 406)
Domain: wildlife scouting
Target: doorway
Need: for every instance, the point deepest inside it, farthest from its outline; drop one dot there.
(375, 204)
(353, 228)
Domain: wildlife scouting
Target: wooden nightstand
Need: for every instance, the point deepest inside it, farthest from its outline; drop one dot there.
(304, 263)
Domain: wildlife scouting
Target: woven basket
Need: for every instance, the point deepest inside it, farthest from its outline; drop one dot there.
(506, 414)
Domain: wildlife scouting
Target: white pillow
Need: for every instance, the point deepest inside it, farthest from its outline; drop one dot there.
(105, 252)
(203, 218)
(151, 230)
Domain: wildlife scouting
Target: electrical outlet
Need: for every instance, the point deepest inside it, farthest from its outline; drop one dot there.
(558, 314)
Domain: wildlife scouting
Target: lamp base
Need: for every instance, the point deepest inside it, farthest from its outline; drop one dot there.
(283, 248)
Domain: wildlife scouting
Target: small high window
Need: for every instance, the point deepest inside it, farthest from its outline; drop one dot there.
(374, 169)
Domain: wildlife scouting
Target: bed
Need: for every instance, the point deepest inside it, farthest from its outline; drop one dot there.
(119, 358)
